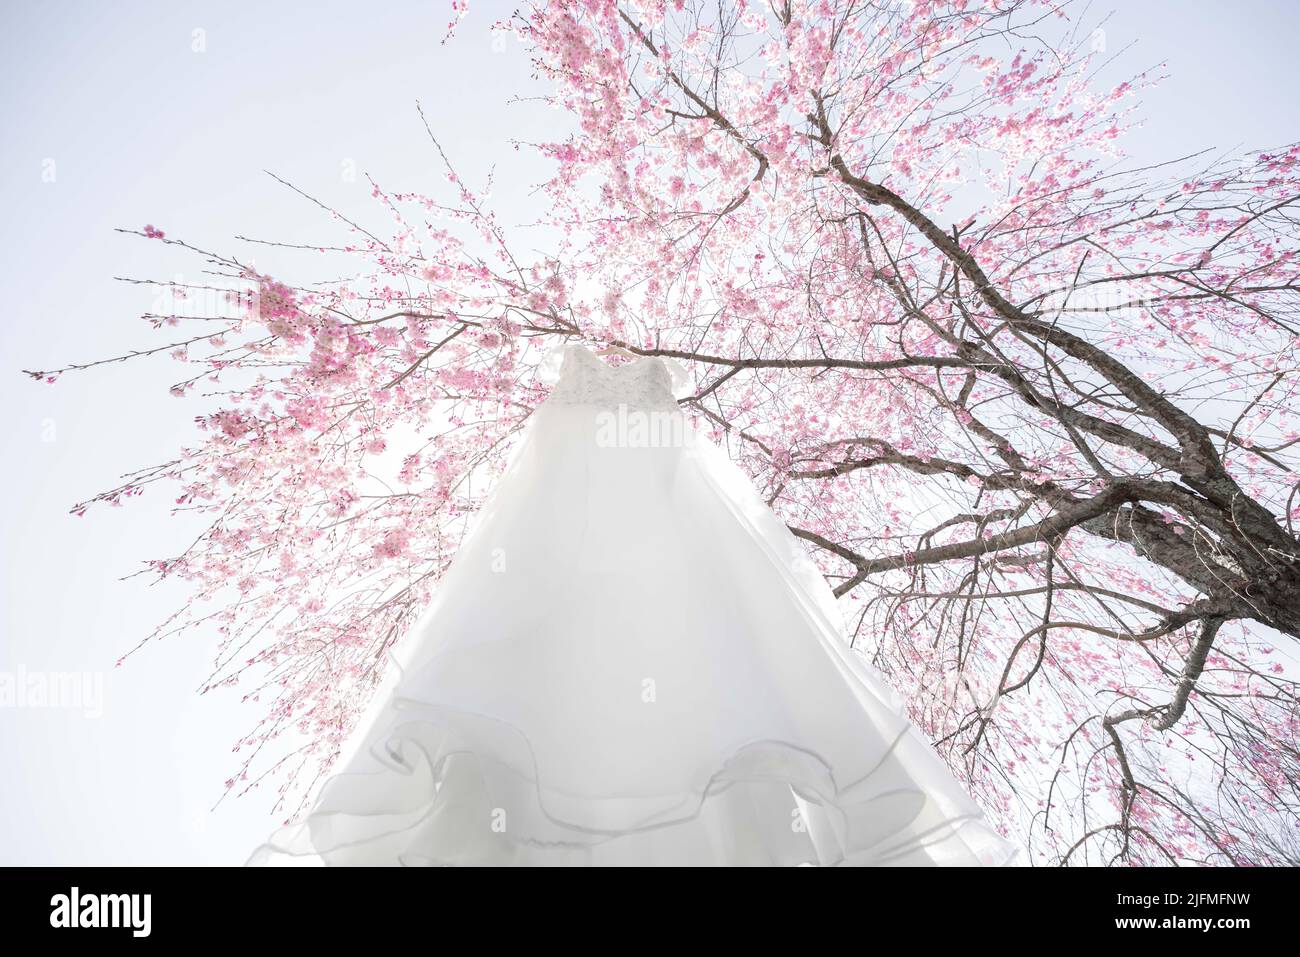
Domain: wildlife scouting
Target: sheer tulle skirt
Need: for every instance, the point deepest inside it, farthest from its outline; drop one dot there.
(633, 662)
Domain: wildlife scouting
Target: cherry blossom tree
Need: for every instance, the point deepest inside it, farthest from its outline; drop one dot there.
(1032, 406)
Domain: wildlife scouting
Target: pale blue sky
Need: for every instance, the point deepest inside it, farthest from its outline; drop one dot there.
(143, 129)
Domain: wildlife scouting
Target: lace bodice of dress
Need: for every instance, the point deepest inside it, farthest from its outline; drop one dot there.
(584, 379)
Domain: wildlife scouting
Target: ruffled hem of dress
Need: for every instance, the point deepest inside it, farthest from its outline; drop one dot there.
(439, 797)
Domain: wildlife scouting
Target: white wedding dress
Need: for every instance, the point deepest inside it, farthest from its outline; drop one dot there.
(632, 662)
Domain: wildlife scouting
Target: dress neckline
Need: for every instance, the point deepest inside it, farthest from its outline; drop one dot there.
(582, 347)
